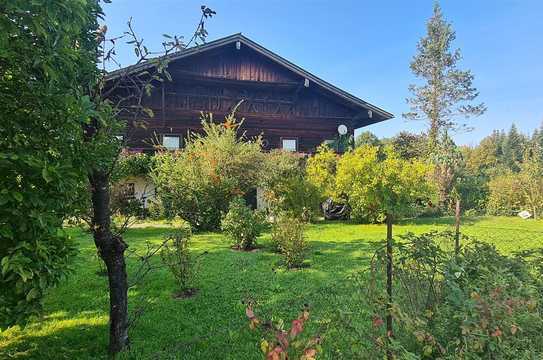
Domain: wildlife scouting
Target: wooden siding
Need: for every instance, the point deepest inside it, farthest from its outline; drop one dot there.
(276, 103)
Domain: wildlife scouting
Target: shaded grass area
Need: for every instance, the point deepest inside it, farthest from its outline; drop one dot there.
(212, 324)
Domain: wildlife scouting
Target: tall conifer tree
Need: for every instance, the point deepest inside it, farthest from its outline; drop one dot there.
(446, 92)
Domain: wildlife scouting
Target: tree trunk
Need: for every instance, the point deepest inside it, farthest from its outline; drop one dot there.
(389, 329)
(433, 133)
(111, 249)
(457, 228)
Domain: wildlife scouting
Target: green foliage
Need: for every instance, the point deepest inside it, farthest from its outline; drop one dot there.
(486, 157)
(241, 224)
(321, 171)
(513, 192)
(377, 186)
(473, 192)
(342, 143)
(478, 304)
(355, 175)
(279, 342)
(410, 146)
(182, 263)
(132, 165)
(288, 238)
(198, 182)
(155, 209)
(125, 205)
(286, 186)
(448, 163)
(46, 53)
(513, 148)
(505, 195)
(367, 138)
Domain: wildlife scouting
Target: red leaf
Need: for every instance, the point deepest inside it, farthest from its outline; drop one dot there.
(282, 338)
(274, 354)
(250, 313)
(297, 327)
(496, 333)
(377, 321)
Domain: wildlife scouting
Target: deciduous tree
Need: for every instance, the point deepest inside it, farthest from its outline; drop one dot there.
(44, 62)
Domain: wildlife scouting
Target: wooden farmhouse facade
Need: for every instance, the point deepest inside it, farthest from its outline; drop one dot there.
(288, 106)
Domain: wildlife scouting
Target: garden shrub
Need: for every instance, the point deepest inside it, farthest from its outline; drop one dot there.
(288, 238)
(286, 187)
(505, 195)
(125, 204)
(155, 209)
(180, 260)
(371, 178)
(513, 192)
(279, 342)
(477, 304)
(321, 172)
(198, 182)
(132, 165)
(241, 224)
(473, 192)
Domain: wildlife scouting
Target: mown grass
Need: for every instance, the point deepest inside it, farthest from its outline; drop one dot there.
(212, 324)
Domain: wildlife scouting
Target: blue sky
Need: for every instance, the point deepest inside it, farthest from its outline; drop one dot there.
(365, 47)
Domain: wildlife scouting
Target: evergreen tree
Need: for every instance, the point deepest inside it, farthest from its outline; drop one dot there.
(513, 149)
(409, 145)
(447, 92)
(537, 143)
(367, 138)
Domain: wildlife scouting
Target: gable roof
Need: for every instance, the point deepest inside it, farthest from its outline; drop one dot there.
(384, 115)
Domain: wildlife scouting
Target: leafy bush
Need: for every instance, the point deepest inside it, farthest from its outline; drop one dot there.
(280, 343)
(241, 224)
(478, 304)
(513, 192)
(286, 187)
(288, 238)
(42, 151)
(473, 192)
(505, 195)
(137, 165)
(376, 182)
(321, 172)
(124, 204)
(198, 182)
(180, 260)
(156, 210)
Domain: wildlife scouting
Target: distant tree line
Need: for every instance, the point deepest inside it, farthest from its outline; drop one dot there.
(501, 175)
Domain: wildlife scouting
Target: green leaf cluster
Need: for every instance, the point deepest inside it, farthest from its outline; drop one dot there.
(47, 51)
(378, 184)
(199, 182)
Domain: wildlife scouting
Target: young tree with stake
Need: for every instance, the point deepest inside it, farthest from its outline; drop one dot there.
(398, 185)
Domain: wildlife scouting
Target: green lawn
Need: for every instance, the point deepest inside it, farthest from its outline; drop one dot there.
(212, 325)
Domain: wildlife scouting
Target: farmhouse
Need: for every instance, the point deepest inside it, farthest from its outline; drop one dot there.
(291, 108)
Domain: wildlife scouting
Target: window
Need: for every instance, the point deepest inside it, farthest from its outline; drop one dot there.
(128, 191)
(289, 144)
(170, 142)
